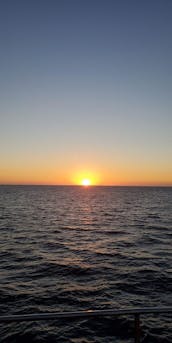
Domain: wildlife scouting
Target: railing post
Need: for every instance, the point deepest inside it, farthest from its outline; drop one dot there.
(137, 328)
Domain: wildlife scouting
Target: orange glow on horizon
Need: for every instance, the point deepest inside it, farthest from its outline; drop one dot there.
(50, 174)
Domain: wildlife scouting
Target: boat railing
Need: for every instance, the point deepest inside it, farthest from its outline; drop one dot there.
(136, 312)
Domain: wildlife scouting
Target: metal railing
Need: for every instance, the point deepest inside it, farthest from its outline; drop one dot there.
(136, 312)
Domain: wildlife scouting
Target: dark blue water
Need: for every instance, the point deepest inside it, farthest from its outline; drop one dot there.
(74, 248)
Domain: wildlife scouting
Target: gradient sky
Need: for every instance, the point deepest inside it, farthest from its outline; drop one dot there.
(86, 90)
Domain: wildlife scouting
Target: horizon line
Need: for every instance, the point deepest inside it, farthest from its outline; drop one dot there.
(72, 185)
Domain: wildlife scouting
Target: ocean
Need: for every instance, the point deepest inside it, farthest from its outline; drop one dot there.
(69, 248)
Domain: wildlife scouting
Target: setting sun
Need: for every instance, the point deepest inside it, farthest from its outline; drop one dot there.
(86, 182)
(85, 177)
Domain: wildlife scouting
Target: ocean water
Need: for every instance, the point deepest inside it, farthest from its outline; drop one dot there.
(75, 248)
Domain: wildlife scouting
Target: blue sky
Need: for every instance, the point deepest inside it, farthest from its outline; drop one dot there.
(86, 83)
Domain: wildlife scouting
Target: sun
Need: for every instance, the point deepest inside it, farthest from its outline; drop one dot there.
(85, 178)
(86, 182)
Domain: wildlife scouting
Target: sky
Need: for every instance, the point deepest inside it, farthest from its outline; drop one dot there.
(86, 92)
